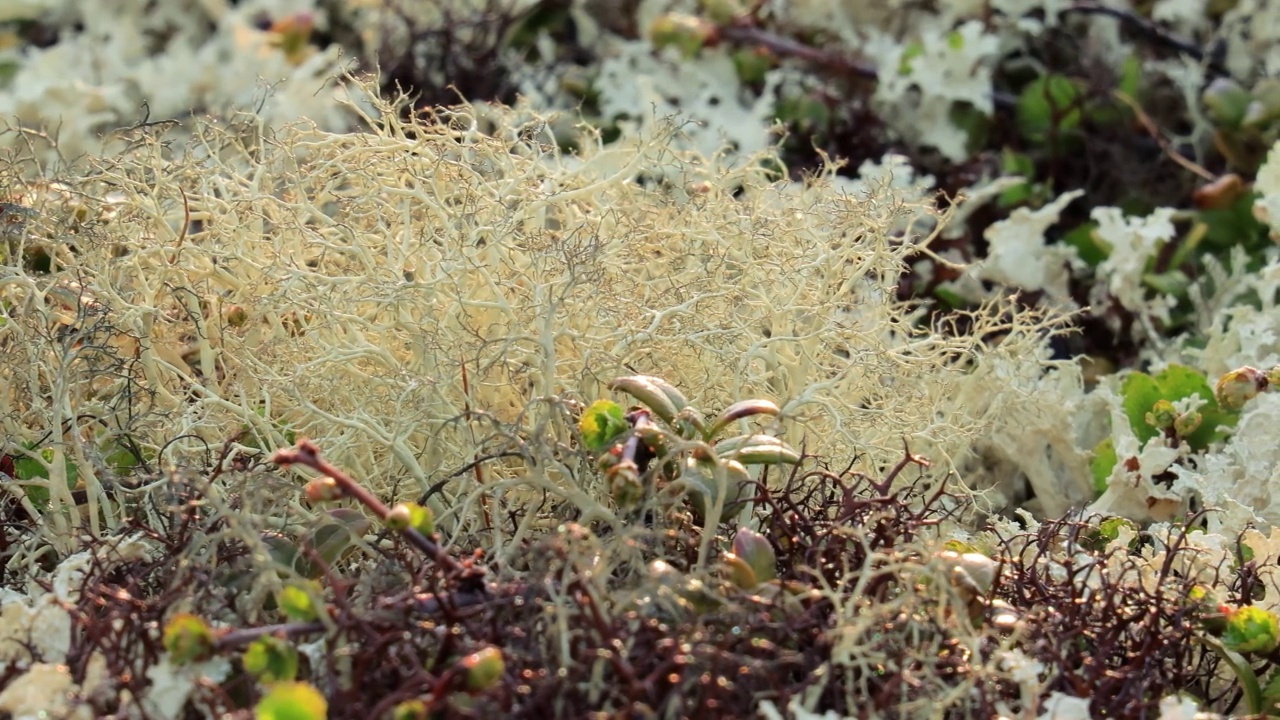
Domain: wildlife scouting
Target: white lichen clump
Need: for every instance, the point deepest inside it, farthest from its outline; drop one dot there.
(120, 63)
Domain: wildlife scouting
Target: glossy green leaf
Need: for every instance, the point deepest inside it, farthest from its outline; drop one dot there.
(1090, 249)
(1104, 460)
(26, 467)
(333, 539)
(1235, 225)
(1141, 392)
(1049, 104)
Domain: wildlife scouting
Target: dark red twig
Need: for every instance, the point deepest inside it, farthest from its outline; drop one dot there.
(307, 454)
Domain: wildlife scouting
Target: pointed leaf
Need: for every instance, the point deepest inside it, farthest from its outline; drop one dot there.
(333, 539)
(649, 393)
(739, 410)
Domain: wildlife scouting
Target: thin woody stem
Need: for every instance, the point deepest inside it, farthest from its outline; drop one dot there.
(307, 454)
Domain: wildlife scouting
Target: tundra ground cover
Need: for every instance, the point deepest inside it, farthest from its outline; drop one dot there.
(431, 299)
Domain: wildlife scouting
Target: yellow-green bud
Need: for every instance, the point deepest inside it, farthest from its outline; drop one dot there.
(407, 515)
(624, 484)
(399, 517)
(483, 669)
(322, 489)
(1240, 386)
(188, 638)
(1162, 416)
(1251, 629)
(410, 710)
(1187, 423)
(687, 33)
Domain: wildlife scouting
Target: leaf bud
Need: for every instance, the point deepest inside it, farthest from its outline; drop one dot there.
(324, 489)
(483, 669)
(1239, 387)
(757, 552)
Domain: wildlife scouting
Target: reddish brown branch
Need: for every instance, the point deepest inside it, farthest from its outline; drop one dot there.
(307, 454)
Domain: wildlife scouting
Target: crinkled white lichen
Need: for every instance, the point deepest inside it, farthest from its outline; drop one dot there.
(110, 68)
(795, 711)
(920, 84)
(172, 685)
(1032, 445)
(43, 692)
(1020, 256)
(69, 575)
(1247, 469)
(1251, 29)
(641, 88)
(1182, 707)
(1246, 336)
(1182, 15)
(1267, 207)
(1133, 241)
(1022, 669)
(1060, 706)
(892, 171)
(33, 630)
(1131, 489)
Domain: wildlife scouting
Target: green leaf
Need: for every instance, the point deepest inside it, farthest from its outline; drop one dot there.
(1225, 102)
(1131, 76)
(910, 53)
(602, 423)
(1052, 103)
(1020, 194)
(1177, 382)
(738, 411)
(26, 467)
(1171, 282)
(1087, 245)
(120, 458)
(1242, 669)
(1109, 529)
(1141, 393)
(974, 122)
(752, 65)
(951, 298)
(1104, 460)
(333, 539)
(1235, 225)
(1264, 108)
(804, 112)
(1271, 693)
(253, 439)
(8, 70)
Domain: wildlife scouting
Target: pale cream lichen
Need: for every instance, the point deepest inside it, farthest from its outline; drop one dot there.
(33, 629)
(367, 268)
(1020, 256)
(43, 691)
